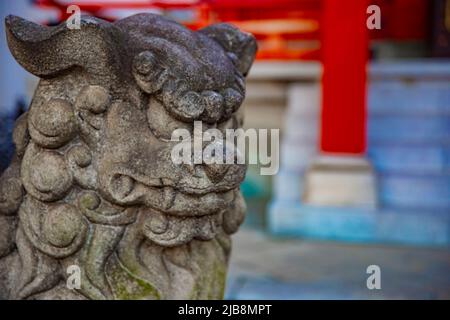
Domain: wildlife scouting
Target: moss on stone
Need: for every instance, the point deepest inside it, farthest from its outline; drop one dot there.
(127, 286)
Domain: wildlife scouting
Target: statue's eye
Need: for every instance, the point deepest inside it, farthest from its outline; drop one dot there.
(161, 123)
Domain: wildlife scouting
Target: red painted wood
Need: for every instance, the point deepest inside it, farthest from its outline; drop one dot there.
(345, 53)
(402, 20)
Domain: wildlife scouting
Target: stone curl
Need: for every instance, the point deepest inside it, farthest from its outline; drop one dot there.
(180, 100)
(62, 230)
(51, 124)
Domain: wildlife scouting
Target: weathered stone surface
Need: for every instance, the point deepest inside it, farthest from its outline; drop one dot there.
(92, 183)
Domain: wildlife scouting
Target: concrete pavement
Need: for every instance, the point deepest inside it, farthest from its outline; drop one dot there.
(262, 267)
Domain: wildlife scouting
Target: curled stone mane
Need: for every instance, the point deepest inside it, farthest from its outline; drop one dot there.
(92, 184)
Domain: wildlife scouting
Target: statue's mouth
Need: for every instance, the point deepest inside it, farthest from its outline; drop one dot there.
(170, 214)
(176, 199)
(170, 230)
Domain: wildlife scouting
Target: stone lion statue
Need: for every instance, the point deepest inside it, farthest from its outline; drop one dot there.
(92, 184)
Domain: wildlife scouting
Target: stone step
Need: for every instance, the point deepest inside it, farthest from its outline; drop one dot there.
(410, 159)
(418, 227)
(408, 97)
(408, 191)
(409, 129)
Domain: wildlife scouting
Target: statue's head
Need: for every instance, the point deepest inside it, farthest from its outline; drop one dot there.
(102, 116)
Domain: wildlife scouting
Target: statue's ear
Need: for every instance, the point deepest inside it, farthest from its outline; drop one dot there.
(45, 51)
(241, 44)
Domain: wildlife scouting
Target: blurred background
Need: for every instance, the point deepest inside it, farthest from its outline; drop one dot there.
(363, 110)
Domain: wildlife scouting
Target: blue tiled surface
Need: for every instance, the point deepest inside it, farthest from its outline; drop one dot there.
(409, 148)
(407, 130)
(430, 192)
(289, 218)
(317, 222)
(435, 68)
(386, 96)
(254, 288)
(425, 159)
(409, 135)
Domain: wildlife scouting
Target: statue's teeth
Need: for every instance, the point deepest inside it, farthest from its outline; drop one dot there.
(206, 228)
(168, 197)
(229, 196)
(158, 223)
(124, 185)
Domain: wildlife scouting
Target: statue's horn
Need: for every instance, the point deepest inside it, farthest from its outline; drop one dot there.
(241, 44)
(45, 51)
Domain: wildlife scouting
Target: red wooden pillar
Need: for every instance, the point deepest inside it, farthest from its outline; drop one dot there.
(345, 51)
